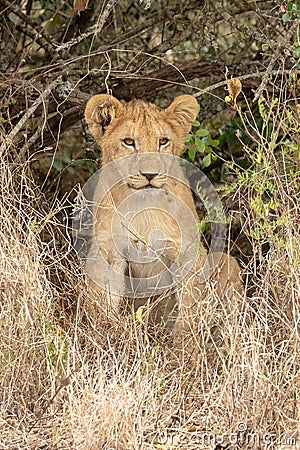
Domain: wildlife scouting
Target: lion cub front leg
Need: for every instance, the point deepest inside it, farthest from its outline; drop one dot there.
(106, 269)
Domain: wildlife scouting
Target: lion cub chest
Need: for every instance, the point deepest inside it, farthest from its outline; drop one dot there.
(150, 229)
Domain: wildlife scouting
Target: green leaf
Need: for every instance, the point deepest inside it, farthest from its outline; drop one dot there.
(200, 145)
(188, 138)
(206, 161)
(202, 133)
(262, 108)
(214, 143)
(203, 225)
(66, 158)
(207, 140)
(56, 20)
(196, 123)
(57, 163)
(192, 153)
(296, 52)
(287, 16)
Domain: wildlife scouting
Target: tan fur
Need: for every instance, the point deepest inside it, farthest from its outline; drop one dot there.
(115, 125)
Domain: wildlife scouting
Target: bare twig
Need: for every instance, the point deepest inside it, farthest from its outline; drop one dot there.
(37, 34)
(245, 77)
(281, 45)
(62, 382)
(35, 37)
(96, 29)
(28, 113)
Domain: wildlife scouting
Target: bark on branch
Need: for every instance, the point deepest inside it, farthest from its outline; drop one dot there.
(152, 83)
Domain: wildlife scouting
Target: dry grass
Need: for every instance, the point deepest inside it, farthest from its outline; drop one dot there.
(72, 379)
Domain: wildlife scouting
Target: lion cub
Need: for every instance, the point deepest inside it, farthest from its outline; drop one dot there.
(146, 246)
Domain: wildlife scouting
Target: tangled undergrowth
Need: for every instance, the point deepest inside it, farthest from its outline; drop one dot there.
(72, 379)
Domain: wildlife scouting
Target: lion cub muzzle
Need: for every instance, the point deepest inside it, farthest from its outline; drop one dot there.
(148, 171)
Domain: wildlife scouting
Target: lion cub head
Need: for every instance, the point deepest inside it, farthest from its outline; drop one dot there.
(139, 128)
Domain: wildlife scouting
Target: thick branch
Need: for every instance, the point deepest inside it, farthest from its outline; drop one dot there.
(152, 83)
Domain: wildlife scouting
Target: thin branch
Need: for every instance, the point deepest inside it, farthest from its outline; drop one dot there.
(35, 37)
(122, 38)
(96, 29)
(9, 139)
(245, 77)
(75, 97)
(281, 45)
(37, 34)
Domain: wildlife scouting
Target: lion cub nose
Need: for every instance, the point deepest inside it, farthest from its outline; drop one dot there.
(149, 175)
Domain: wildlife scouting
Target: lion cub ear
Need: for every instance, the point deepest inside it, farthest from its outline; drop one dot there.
(100, 111)
(184, 110)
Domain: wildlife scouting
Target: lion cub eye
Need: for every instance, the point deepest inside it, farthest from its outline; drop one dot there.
(163, 142)
(128, 142)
